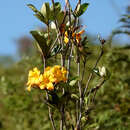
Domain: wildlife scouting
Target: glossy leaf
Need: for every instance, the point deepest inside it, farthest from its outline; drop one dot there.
(32, 7)
(45, 10)
(60, 17)
(81, 9)
(40, 17)
(56, 13)
(74, 96)
(74, 81)
(57, 7)
(41, 41)
(37, 14)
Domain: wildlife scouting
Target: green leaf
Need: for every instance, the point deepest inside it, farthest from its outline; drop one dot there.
(81, 9)
(96, 71)
(57, 7)
(57, 13)
(45, 10)
(86, 100)
(37, 14)
(74, 96)
(74, 81)
(83, 119)
(33, 8)
(94, 125)
(60, 17)
(40, 17)
(41, 41)
(126, 15)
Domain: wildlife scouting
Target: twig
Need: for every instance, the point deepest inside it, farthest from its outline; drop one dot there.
(91, 74)
(89, 79)
(69, 61)
(84, 64)
(77, 112)
(63, 122)
(56, 23)
(50, 114)
(96, 89)
(80, 93)
(48, 30)
(47, 97)
(52, 46)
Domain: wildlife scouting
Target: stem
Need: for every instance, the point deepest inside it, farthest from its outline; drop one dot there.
(69, 61)
(91, 74)
(84, 64)
(47, 97)
(82, 96)
(80, 93)
(62, 123)
(48, 30)
(97, 88)
(79, 84)
(56, 23)
(44, 62)
(77, 108)
(50, 114)
(52, 46)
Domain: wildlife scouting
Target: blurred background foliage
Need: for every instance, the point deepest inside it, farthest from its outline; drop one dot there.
(22, 110)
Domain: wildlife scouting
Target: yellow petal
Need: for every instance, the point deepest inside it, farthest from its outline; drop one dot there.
(66, 39)
(50, 86)
(29, 88)
(42, 86)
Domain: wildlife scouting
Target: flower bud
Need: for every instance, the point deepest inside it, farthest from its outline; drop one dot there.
(102, 71)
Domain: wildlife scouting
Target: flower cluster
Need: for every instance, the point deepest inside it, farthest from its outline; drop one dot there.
(76, 36)
(51, 76)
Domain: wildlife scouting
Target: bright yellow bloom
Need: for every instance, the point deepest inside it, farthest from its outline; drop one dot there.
(64, 72)
(66, 39)
(47, 69)
(76, 36)
(46, 80)
(34, 78)
(56, 74)
(59, 74)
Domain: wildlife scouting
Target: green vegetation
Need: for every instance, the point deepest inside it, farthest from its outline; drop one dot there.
(22, 110)
(91, 89)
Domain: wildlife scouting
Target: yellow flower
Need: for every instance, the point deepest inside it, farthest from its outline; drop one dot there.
(50, 86)
(74, 35)
(66, 39)
(56, 74)
(78, 36)
(46, 82)
(64, 72)
(47, 69)
(34, 78)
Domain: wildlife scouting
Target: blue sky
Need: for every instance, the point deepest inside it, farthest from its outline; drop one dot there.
(16, 19)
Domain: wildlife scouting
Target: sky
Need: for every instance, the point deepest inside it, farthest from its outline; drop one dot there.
(16, 19)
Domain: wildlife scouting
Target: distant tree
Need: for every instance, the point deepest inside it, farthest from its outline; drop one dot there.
(24, 45)
(125, 27)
